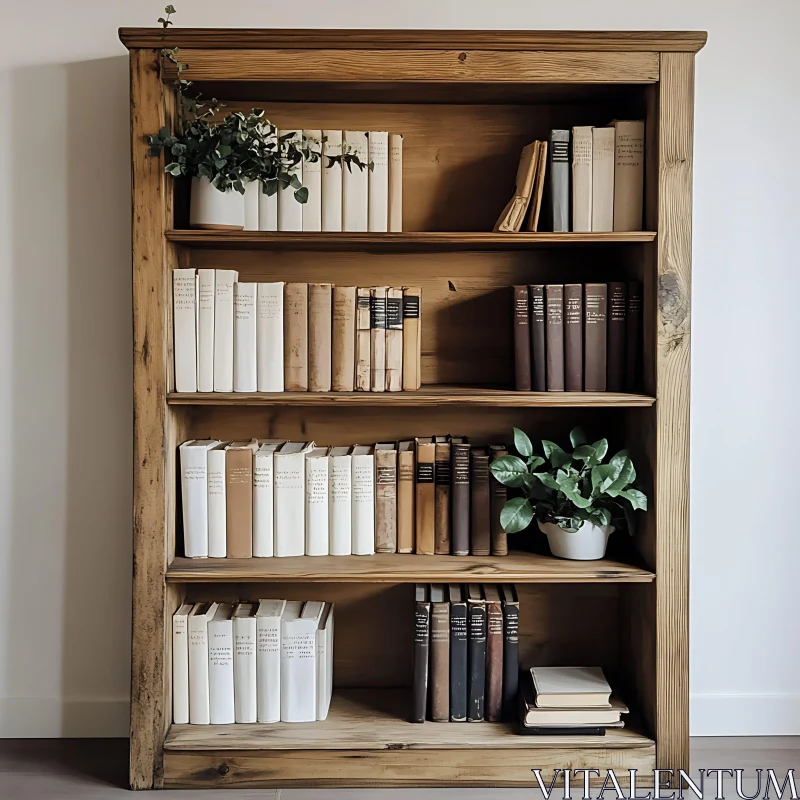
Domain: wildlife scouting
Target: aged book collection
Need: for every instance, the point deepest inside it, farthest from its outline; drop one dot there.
(270, 661)
(587, 179)
(265, 498)
(231, 336)
(578, 337)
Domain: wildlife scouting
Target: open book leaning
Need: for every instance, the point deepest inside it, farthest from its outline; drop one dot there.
(529, 182)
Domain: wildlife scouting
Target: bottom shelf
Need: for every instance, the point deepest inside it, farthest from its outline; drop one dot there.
(366, 741)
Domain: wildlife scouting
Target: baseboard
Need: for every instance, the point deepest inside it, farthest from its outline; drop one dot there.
(744, 715)
(51, 718)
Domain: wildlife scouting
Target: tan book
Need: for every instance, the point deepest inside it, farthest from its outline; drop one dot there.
(441, 480)
(295, 337)
(319, 336)
(395, 182)
(386, 497)
(362, 339)
(394, 340)
(425, 496)
(513, 215)
(343, 341)
(239, 498)
(412, 338)
(628, 174)
(440, 654)
(406, 521)
(535, 209)
(377, 331)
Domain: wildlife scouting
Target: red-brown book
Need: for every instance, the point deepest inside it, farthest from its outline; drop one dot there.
(538, 337)
(459, 495)
(595, 302)
(617, 323)
(497, 499)
(480, 511)
(494, 654)
(573, 337)
(555, 337)
(441, 479)
(633, 339)
(522, 340)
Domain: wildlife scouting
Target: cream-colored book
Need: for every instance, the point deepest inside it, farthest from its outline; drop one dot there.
(394, 339)
(570, 687)
(245, 684)
(340, 501)
(331, 182)
(197, 626)
(343, 339)
(222, 707)
(319, 336)
(194, 492)
(582, 178)
(269, 336)
(217, 506)
(317, 485)
(363, 462)
(295, 337)
(290, 212)
(268, 659)
(251, 210)
(412, 338)
(206, 282)
(312, 180)
(264, 498)
(180, 664)
(267, 211)
(603, 179)
(377, 325)
(386, 497)
(244, 338)
(378, 217)
(289, 465)
(223, 329)
(324, 661)
(355, 184)
(395, 182)
(184, 319)
(628, 175)
(363, 346)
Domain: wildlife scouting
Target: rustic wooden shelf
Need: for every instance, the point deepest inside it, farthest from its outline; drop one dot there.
(396, 242)
(516, 567)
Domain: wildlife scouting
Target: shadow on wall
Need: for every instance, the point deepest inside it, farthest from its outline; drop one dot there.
(72, 400)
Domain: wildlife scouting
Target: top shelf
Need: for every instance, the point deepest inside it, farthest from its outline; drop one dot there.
(396, 242)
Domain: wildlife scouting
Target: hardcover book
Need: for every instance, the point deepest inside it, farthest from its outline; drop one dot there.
(595, 337)
(476, 653)
(239, 498)
(295, 336)
(343, 339)
(510, 650)
(458, 653)
(386, 497)
(459, 494)
(480, 510)
(555, 337)
(538, 337)
(441, 538)
(498, 494)
(440, 654)
(422, 623)
(363, 343)
(617, 324)
(320, 322)
(425, 496)
(559, 180)
(406, 517)
(412, 338)
(522, 340)
(573, 337)
(494, 654)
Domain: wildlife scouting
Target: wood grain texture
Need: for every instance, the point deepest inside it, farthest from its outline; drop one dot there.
(309, 39)
(672, 410)
(405, 568)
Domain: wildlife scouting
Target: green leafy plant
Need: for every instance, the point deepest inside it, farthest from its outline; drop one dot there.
(568, 488)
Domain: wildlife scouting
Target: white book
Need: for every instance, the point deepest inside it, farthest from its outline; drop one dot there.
(312, 180)
(244, 338)
(268, 659)
(331, 182)
(363, 462)
(289, 465)
(299, 661)
(220, 666)
(628, 175)
(267, 211)
(395, 182)
(263, 499)
(198, 662)
(355, 184)
(324, 661)
(180, 664)
(223, 329)
(194, 494)
(378, 217)
(205, 329)
(582, 178)
(251, 192)
(340, 501)
(290, 212)
(269, 337)
(317, 464)
(244, 662)
(570, 687)
(217, 507)
(603, 179)
(184, 319)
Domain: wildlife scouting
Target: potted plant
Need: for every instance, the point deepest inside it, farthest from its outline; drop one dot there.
(576, 498)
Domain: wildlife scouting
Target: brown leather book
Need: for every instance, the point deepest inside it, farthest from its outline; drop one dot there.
(440, 654)
(498, 494)
(538, 337)
(441, 476)
(295, 337)
(239, 498)
(480, 511)
(459, 494)
(405, 496)
(425, 496)
(555, 337)
(573, 337)
(494, 653)
(362, 339)
(343, 339)
(320, 317)
(633, 339)
(594, 373)
(617, 323)
(412, 338)
(386, 497)
(377, 324)
(394, 340)
(522, 340)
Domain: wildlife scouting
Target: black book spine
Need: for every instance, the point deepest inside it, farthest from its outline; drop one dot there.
(458, 662)
(422, 630)
(510, 660)
(476, 661)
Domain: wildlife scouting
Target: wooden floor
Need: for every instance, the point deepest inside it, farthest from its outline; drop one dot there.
(96, 769)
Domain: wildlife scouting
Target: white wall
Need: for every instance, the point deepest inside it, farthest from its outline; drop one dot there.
(65, 341)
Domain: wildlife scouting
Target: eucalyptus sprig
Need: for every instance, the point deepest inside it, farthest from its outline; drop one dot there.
(568, 488)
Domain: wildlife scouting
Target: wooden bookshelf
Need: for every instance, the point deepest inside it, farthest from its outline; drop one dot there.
(467, 102)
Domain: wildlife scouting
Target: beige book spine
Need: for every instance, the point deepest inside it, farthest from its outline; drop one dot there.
(239, 502)
(362, 339)
(343, 345)
(377, 312)
(441, 475)
(628, 175)
(319, 337)
(405, 498)
(295, 337)
(425, 497)
(412, 338)
(385, 500)
(395, 182)
(394, 340)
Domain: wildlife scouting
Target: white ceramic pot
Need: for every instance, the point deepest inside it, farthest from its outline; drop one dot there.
(588, 543)
(212, 209)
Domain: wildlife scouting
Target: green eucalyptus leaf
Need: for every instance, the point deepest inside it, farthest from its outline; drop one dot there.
(517, 514)
(522, 443)
(301, 195)
(577, 436)
(509, 470)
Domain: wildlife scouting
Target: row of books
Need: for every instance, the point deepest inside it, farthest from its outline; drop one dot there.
(466, 653)
(265, 662)
(578, 337)
(265, 498)
(231, 336)
(604, 189)
(349, 199)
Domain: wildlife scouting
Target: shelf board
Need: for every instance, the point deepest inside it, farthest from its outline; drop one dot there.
(428, 395)
(396, 242)
(516, 567)
(375, 719)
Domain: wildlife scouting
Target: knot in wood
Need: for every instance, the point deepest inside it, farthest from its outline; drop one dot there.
(462, 57)
(224, 769)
